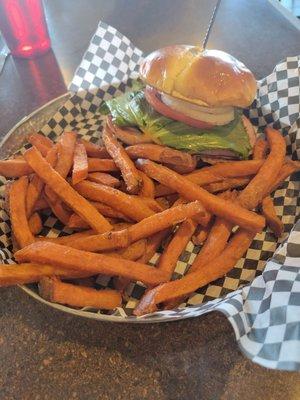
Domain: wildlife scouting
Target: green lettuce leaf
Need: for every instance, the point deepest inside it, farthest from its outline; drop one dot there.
(133, 110)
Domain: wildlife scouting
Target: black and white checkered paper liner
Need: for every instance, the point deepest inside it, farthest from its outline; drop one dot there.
(263, 308)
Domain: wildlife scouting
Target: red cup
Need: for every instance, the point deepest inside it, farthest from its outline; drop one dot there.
(23, 25)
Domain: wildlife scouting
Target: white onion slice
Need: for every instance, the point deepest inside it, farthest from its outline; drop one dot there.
(213, 115)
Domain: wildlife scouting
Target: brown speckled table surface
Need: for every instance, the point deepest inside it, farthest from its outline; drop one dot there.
(45, 354)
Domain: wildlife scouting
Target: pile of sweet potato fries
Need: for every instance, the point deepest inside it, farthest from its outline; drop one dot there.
(124, 202)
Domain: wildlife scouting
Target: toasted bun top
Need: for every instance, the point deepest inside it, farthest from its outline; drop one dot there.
(209, 77)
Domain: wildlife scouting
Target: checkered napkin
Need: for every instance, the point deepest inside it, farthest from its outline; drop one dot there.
(263, 308)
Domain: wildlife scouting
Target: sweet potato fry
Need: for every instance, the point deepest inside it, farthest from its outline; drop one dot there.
(214, 244)
(35, 188)
(268, 209)
(41, 204)
(200, 237)
(176, 246)
(153, 243)
(128, 170)
(17, 206)
(288, 168)
(80, 164)
(128, 136)
(104, 179)
(94, 150)
(152, 204)
(204, 221)
(152, 246)
(41, 142)
(34, 191)
(36, 185)
(147, 188)
(128, 205)
(255, 191)
(163, 202)
(182, 170)
(216, 173)
(273, 221)
(191, 282)
(76, 222)
(68, 257)
(101, 165)
(35, 224)
(140, 230)
(58, 209)
(190, 191)
(109, 212)
(68, 195)
(229, 169)
(19, 274)
(56, 291)
(66, 149)
(260, 149)
(121, 225)
(132, 136)
(67, 239)
(226, 184)
(166, 155)
(215, 236)
(133, 252)
(14, 168)
(163, 220)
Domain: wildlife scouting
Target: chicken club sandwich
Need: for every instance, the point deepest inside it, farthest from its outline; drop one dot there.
(190, 100)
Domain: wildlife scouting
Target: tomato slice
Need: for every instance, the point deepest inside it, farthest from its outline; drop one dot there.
(152, 96)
